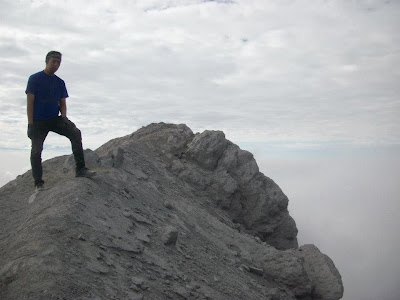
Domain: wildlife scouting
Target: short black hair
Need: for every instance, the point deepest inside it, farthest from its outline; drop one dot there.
(54, 54)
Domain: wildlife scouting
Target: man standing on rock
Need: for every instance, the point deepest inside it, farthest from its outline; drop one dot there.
(46, 98)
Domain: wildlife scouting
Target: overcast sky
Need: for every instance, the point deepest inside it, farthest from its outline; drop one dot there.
(310, 87)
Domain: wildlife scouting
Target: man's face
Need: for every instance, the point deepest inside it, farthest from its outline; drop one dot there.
(53, 64)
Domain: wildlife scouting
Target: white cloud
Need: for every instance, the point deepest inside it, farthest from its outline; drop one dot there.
(284, 70)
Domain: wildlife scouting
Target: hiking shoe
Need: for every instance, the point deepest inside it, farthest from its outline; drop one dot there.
(39, 187)
(85, 172)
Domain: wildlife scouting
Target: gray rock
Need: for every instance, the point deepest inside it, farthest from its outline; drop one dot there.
(97, 267)
(142, 233)
(162, 185)
(255, 270)
(287, 268)
(138, 281)
(324, 276)
(170, 235)
(306, 271)
(207, 148)
(168, 204)
(239, 162)
(139, 218)
(127, 245)
(182, 292)
(92, 160)
(232, 177)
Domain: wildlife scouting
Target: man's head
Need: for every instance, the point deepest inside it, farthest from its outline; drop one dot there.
(53, 61)
(54, 54)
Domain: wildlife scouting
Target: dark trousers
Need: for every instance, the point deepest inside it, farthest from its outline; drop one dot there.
(59, 125)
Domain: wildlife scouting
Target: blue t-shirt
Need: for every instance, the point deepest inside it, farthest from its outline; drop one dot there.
(48, 91)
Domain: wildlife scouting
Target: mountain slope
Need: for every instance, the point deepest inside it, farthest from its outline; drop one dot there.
(170, 215)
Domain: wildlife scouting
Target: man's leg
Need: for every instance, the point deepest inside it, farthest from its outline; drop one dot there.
(36, 154)
(68, 129)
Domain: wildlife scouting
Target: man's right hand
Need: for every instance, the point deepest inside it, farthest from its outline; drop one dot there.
(30, 131)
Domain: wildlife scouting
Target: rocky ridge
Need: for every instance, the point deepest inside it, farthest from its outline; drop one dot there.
(170, 215)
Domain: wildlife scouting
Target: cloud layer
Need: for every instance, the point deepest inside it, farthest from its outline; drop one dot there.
(279, 71)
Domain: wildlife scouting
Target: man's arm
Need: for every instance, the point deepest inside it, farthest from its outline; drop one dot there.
(30, 99)
(63, 107)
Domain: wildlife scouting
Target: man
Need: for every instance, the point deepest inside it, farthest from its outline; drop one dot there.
(46, 98)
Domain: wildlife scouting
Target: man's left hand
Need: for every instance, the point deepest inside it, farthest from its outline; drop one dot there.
(31, 131)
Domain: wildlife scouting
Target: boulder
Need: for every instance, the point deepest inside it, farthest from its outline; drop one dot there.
(206, 148)
(325, 278)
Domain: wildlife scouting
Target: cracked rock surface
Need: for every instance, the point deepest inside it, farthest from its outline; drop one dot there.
(169, 215)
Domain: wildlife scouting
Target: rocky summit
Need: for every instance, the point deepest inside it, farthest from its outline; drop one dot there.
(169, 215)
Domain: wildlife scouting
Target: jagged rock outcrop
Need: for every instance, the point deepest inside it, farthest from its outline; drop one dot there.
(170, 215)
